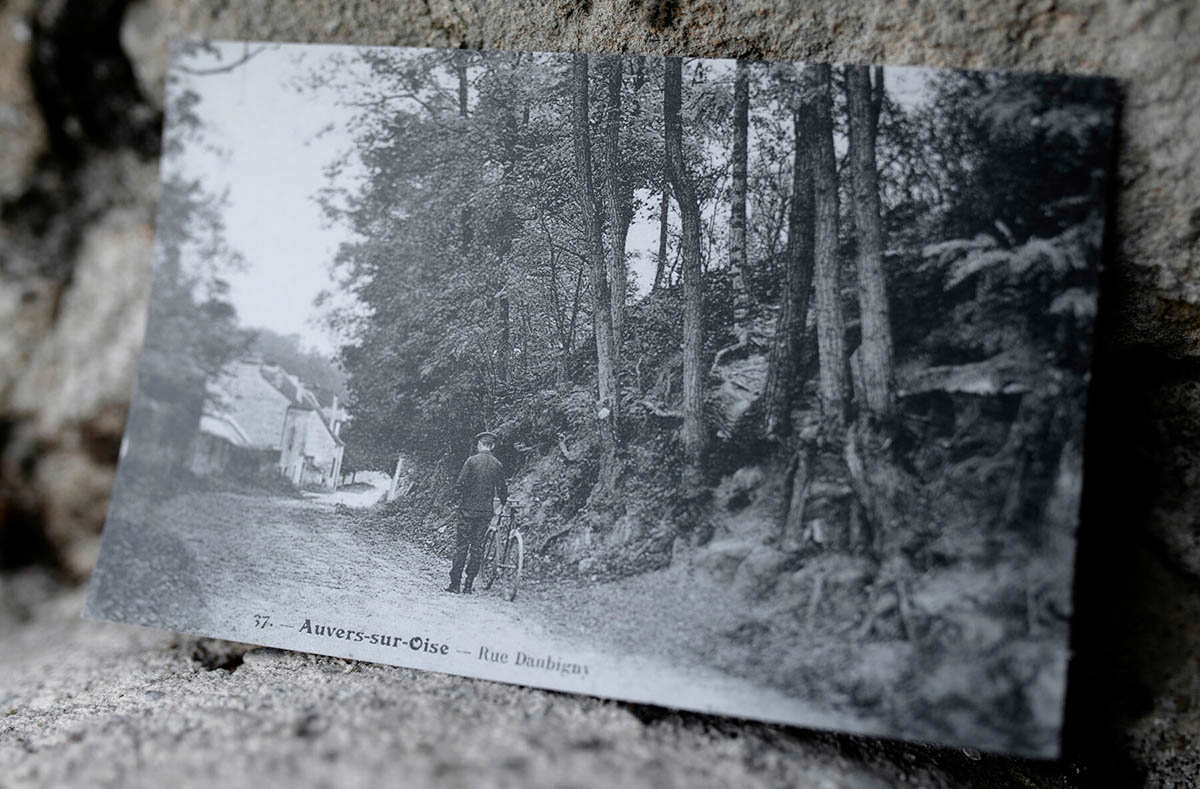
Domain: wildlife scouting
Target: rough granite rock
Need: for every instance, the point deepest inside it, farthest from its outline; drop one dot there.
(77, 166)
(92, 704)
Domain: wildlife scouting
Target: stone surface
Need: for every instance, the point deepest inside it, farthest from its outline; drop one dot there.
(20, 123)
(76, 197)
(87, 704)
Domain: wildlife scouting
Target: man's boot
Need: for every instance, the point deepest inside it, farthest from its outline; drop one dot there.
(467, 586)
(453, 587)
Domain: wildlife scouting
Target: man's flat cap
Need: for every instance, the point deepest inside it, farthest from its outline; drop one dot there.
(487, 434)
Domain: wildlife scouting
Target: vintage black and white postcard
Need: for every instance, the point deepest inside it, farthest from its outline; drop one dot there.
(748, 388)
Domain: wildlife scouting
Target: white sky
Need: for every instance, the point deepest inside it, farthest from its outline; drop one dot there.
(270, 161)
(266, 144)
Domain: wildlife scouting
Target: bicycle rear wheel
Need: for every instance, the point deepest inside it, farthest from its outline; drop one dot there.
(512, 563)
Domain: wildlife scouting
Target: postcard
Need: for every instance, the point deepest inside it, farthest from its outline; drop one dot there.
(754, 389)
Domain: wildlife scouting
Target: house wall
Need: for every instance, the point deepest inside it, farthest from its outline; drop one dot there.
(310, 455)
(291, 452)
(210, 455)
(215, 456)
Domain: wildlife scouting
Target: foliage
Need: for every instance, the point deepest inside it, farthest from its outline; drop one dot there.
(472, 305)
(192, 329)
(472, 310)
(309, 364)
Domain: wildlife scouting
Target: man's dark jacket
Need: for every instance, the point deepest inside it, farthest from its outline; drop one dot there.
(481, 478)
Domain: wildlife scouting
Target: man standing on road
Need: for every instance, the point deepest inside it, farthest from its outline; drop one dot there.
(481, 479)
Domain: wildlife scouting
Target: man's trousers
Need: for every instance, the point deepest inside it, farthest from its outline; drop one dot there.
(469, 545)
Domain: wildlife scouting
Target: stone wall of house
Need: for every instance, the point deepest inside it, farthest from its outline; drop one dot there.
(78, 148)
(311, 456)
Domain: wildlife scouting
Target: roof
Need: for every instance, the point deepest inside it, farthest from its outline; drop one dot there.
(242, 394)
(321, 417)
(225, 428)
(253, 398)
(325, 398)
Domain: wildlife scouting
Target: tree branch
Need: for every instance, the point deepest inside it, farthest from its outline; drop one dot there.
(247, 56)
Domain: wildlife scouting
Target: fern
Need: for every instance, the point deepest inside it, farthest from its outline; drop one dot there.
(1059, 255)
(975, 262)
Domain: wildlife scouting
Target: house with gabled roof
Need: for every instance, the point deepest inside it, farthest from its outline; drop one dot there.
(258, 418)
(312, 450)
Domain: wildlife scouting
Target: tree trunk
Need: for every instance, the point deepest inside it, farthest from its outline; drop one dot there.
(831, 333)
(876, 354)
(787, 345)
(737, 207)
(619, 201)
(664, 214)
(689, 211)
(792, 536)
(597, 274)
(467, 231)
(460, 72)
(505, 348)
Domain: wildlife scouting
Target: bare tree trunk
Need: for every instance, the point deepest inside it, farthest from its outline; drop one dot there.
(878, 480)
(597, 273)
(876, 354)
(787, 346)
(526, 333)
(505, 321)
(618, 198)
(737, 221)
(664, 212)
(466, 230)
(737, 207)
(689, 211)
(831, 333)
(793, 522)
(576, 303)
(460, 71)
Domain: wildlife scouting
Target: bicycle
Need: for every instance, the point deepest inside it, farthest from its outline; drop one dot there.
(504, 556)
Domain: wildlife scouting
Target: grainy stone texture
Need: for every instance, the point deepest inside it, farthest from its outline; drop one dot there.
(93, 704)
(20, 123)
(113, 705)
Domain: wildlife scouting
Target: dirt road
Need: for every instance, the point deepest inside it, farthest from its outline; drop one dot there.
(305, 574)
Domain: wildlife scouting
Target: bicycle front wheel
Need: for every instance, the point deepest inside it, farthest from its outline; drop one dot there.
(512, 561)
